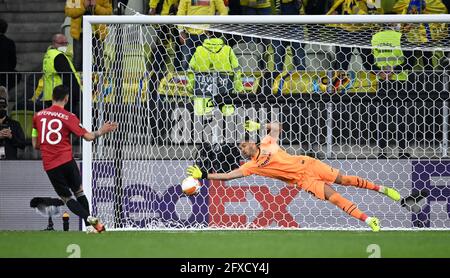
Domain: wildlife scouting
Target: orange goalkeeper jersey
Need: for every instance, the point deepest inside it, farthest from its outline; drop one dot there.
(274, 162)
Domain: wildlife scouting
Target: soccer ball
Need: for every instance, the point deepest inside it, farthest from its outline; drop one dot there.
(190, 186)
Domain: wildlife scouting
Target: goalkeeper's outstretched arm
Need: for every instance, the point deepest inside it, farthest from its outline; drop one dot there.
(197, 173)
(235, 174)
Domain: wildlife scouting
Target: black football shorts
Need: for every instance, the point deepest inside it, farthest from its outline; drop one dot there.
(65, 178)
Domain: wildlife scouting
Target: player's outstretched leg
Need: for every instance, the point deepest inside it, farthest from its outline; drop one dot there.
(362, 183)
(76, 208)
(97, 226)
(79, 210)
(81, 198)
(350, 208)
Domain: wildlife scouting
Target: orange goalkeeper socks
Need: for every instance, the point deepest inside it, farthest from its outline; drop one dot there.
(359, 182)
(347, 206)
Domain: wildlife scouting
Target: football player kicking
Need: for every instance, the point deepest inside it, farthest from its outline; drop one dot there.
(51, 134)
(315, 177)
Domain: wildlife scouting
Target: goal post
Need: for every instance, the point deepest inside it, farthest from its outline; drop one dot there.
(377, 111)
(87, 112)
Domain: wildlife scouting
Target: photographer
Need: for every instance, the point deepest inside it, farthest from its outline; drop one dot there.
(11, 134)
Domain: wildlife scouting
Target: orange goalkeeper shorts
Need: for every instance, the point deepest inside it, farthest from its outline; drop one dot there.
(318, 174)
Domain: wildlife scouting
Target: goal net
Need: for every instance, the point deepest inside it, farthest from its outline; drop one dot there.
(346, 93)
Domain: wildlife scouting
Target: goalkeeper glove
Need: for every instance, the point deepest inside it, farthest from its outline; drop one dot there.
(196, 172)
(252, 125)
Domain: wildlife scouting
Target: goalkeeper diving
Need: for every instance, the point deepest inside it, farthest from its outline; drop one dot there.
(315, 177)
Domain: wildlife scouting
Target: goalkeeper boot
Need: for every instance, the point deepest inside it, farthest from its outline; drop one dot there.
(373, 223)
(95, 222)
(391, 193)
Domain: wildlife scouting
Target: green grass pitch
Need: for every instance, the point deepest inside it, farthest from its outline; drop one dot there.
(227, 244)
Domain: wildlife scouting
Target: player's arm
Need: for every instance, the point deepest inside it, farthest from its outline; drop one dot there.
(106, 128)
(74, 125)
(197, 173)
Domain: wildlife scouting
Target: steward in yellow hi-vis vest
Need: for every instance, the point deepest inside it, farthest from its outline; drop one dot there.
(191, 38)
(213, 56)
(386, 48)
(58, 69)
(52, 77)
